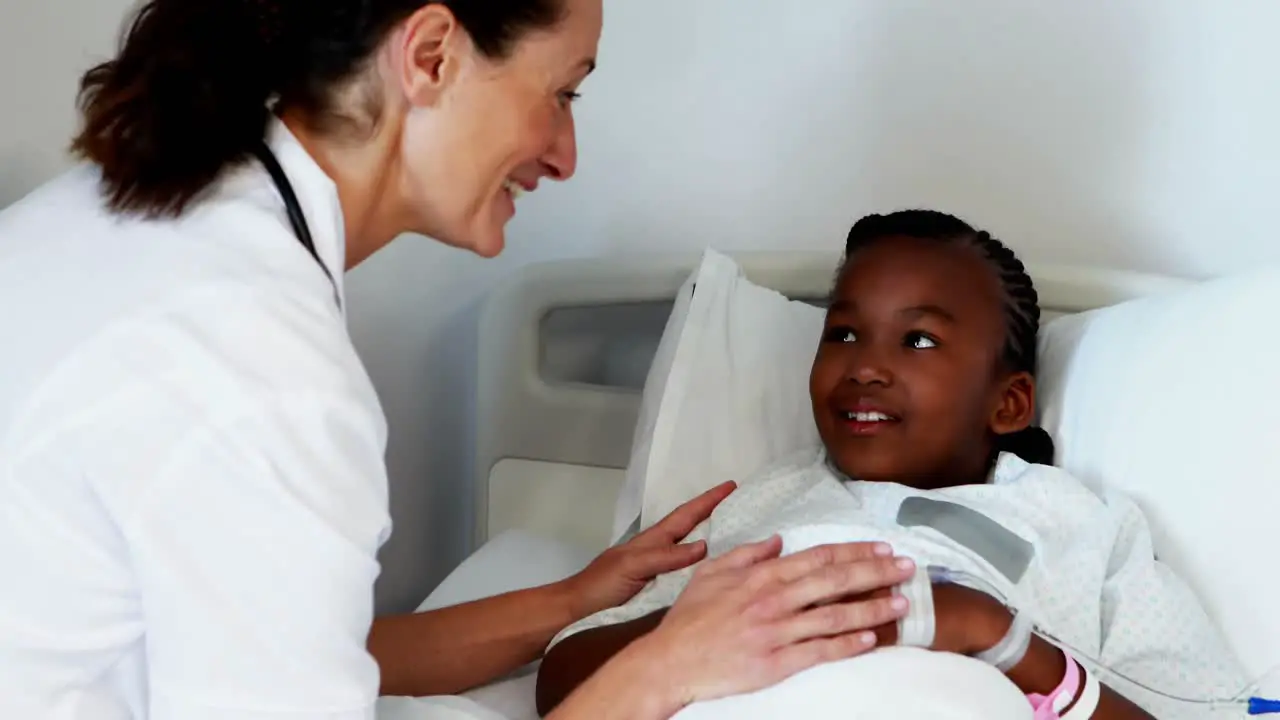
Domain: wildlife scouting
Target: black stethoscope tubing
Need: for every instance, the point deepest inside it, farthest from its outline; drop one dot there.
(293, 209)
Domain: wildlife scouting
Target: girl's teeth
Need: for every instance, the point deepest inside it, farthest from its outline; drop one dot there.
(515, 189)
(867, 417)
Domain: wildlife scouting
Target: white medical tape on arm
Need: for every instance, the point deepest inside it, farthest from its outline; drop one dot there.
(916, 628)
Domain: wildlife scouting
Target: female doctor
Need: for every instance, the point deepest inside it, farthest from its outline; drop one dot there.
(192, 487)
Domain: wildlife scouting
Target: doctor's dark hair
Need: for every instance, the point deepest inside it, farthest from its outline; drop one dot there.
(1021, 302)
(187, 94)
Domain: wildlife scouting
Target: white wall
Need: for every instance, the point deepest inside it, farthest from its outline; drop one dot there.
(1119, 132)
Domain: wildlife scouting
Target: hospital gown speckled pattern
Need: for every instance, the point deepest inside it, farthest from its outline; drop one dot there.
(1093, 581)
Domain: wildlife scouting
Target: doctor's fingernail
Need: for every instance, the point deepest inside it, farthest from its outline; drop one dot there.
(882, 550)
(905, 564)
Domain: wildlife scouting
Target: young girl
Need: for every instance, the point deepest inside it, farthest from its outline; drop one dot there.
(923, 393)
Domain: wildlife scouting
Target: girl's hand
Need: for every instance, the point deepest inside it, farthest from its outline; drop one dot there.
(750, 619)
(622, 571)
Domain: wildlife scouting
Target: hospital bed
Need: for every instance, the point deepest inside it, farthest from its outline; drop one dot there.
(566, 346)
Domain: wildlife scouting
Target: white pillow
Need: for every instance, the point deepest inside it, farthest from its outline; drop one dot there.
(631, 497)
(736, 393)
(1175, 400)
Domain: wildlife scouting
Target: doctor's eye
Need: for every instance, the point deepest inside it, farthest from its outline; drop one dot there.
(568, 97)
(839, 335)
(919, 341)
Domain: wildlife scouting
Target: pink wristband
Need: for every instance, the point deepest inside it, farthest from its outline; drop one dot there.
(1050, 707)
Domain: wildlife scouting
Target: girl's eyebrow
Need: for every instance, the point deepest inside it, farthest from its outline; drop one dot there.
(929, 310)
(915, 311)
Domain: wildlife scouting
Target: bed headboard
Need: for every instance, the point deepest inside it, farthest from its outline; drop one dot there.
(564, 350)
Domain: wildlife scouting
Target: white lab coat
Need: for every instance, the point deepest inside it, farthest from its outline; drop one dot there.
(192, 478)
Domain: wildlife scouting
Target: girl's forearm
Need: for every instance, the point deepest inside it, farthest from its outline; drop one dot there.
(629, 686)
(1042, 670)
(576, 659)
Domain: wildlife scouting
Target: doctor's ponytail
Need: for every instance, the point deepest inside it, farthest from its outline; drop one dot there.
(186, 97)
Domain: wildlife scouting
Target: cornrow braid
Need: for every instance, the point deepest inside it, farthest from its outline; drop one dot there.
(1021, 302)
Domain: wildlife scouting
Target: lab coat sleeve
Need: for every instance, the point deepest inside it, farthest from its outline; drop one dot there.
(255, 550)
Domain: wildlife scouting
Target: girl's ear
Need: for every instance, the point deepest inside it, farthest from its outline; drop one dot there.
(1014, 407)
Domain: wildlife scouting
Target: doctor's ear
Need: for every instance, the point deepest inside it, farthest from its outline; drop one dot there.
(426, 53)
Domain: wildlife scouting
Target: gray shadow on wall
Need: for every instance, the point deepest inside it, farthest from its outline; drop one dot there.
(414, 312)
(1030, 124)
(431, 490)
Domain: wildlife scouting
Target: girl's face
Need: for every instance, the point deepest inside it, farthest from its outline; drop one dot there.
(907, 385)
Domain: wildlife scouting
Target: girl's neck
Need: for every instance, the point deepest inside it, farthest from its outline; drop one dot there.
(942, 482)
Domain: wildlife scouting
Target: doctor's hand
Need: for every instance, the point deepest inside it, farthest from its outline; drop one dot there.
(622, 571)
(750, 619)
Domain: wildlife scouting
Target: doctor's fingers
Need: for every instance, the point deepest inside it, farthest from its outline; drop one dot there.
(648, 563)
(865, 617)
(829, 584)
(681, 521)
(743, 558)
(806, 563)
(800, 657)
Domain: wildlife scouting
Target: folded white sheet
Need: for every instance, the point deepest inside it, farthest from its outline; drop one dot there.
(434, 708)
(898, 683)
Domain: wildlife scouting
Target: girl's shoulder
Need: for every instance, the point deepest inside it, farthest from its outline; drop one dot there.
(1020, 489)
(1031, 489)
(1012, 471)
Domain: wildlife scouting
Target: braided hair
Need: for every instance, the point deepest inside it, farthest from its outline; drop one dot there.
(1021, 302)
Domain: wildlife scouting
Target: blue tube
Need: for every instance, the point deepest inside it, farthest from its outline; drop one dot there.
(1263, 706)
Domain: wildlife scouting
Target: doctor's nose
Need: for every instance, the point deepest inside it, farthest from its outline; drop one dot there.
(560, 161)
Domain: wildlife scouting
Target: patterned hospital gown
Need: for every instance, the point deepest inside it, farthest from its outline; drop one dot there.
(1093, 581)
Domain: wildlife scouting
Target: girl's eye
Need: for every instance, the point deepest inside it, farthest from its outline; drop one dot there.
(840, 335)
(568, 97)
(920, 341)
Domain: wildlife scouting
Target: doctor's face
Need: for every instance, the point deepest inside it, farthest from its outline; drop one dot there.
(498, 128)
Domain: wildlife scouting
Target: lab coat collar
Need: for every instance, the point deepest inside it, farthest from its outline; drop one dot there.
(318, 196)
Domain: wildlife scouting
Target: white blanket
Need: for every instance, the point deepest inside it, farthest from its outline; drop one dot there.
(893, 684)
(896, 684)
(434, 708)
(1093, 581)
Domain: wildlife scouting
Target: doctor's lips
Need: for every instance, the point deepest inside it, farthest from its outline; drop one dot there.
(516, 188)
